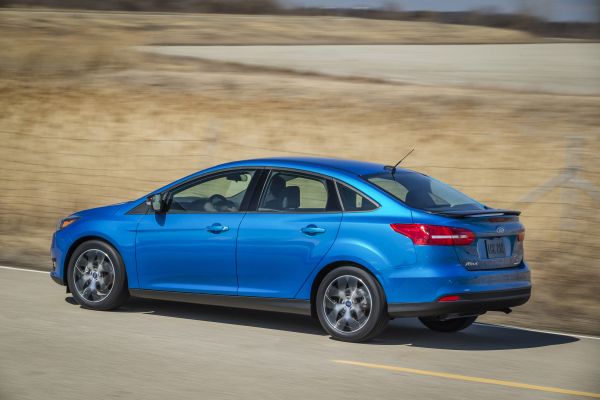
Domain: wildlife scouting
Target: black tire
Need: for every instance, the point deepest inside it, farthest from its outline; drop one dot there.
(118, 293)
(449, 325)
(377, 319)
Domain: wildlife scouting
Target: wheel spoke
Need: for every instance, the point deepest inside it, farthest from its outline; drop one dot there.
(86, 292)
(333, 314)
(100, 258)
(341, 323)
(342, 285)
(359, 313)
(352, 285)
(104, 286)
(353, 324)
(83, 279)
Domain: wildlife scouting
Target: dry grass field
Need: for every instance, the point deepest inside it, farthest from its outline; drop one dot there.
(87, 121)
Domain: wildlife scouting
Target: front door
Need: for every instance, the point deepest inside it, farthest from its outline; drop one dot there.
(191, 247)
(280, 244)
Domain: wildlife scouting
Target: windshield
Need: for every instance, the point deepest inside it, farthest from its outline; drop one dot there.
(423, 192)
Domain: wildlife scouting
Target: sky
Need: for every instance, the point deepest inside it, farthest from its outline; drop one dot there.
(553, 10)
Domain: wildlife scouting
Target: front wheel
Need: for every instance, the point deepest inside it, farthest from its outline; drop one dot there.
(351, 305)
(96, 276)
(449, 325)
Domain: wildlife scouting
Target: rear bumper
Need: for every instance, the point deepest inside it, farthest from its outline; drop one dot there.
(470, 303)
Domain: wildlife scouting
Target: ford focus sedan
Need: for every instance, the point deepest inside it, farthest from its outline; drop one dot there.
(351, 243)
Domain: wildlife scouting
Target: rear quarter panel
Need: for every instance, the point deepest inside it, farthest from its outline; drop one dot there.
(366, 238)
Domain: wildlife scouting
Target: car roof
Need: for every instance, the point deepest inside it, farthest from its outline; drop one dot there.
(335, 167)
(310, 163)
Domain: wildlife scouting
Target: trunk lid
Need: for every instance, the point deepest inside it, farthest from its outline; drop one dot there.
(498, 241)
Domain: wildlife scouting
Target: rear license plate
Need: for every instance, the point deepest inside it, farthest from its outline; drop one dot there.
(495, 248)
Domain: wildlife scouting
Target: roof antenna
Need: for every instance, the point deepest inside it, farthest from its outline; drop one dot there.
(393, 169)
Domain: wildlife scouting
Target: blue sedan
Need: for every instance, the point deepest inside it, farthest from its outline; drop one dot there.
(351, 243)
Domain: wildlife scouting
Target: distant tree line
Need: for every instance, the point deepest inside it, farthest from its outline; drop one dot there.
(522, 21)
(196, 6)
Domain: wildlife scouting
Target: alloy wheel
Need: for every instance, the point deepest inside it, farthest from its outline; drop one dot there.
(347, 304)
(93, 275)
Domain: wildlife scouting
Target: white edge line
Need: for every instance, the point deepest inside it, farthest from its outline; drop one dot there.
(478, 323)
(537, 330)
(24, 269)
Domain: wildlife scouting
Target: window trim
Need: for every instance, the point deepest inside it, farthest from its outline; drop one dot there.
(331, 191)
(257, 187)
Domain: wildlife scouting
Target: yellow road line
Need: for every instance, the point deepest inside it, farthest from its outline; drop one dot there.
(470, 378)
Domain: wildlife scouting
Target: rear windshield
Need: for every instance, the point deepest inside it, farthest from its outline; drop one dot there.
(423, 192)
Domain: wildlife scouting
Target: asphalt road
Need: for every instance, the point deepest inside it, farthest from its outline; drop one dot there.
(50, 348)
(572, 68)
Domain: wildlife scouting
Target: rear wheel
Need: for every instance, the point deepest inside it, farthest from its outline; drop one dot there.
(449, 325)
(96, 276)
(351, 305)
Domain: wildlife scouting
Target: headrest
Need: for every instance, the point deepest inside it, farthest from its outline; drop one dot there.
(277, 187)
(292, 197)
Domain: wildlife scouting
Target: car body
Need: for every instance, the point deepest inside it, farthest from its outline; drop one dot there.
(281, 225)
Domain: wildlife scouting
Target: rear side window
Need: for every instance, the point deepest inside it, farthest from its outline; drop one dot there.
(288, 191)
(354, 201)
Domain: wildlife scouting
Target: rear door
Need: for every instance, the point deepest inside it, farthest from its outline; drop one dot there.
(293, 226)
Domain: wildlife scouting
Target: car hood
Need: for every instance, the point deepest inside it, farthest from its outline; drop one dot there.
(102, 211)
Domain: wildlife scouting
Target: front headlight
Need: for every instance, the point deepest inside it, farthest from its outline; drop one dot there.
(63, 223)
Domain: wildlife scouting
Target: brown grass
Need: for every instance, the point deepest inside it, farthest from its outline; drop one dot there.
(84, 121)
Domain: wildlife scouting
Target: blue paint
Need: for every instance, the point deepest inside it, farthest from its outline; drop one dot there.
(249, 252)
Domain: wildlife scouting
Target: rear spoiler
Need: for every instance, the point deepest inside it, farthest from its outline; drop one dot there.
(477, 213)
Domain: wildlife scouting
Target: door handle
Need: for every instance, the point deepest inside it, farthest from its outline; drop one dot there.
(217, 228)
(312, 229)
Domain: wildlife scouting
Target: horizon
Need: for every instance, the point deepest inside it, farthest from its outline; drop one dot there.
(550, 10)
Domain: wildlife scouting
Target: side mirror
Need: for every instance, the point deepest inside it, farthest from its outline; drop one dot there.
(156, 203)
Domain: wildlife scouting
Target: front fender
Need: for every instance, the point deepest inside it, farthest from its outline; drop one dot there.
(119, 231)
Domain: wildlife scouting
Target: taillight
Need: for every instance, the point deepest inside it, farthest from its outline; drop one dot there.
(435, 235)
(521, 236)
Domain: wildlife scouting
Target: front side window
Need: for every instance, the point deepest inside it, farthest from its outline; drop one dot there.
(222, 193)
(423, 192)
(287, 191)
